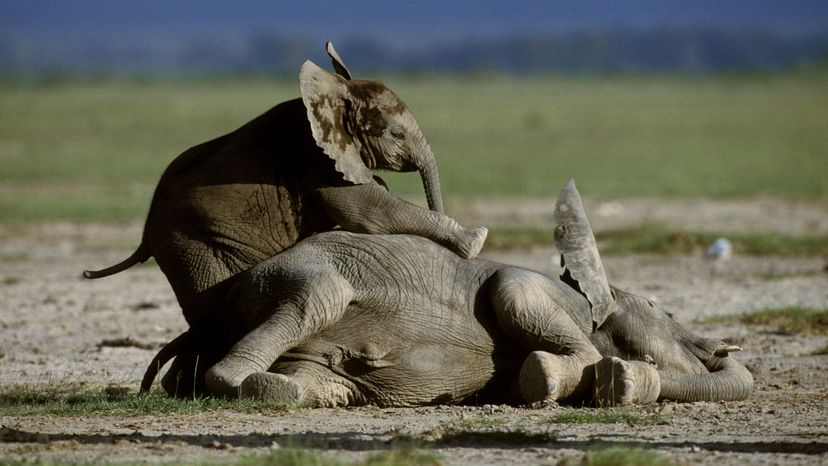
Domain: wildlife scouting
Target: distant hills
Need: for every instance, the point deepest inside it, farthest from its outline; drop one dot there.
(605, 51)
(601, 51)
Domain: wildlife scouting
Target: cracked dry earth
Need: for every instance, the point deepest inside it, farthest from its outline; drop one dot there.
(57, 328)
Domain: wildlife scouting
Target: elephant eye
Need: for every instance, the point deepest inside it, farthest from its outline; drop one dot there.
(397, 131)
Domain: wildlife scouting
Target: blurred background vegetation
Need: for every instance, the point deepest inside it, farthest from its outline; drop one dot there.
(93, 150)
(655, 99)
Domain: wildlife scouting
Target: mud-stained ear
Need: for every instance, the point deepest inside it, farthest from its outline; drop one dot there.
(325, 97)
(338, 64)
(579, 253)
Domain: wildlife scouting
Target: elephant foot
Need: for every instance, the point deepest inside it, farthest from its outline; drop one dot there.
(277, 388)
(540, 377)
(226, 377)
(619, 382)
(471, 242)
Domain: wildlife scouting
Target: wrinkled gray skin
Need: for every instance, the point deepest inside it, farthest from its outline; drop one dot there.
(348, 319)
(302, 167)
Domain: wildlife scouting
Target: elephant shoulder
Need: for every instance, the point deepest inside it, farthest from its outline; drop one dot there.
(284, 133)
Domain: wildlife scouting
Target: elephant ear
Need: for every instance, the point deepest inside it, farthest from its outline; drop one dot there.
(338, 64)
(324, 95)
(579, 253)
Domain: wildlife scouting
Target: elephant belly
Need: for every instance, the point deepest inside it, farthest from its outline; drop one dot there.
(397, 360)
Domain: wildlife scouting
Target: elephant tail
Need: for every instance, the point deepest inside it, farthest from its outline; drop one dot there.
(140, 255)
(169, 351)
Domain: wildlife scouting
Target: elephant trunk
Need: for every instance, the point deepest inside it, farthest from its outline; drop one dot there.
(427, 167)
(728, 380)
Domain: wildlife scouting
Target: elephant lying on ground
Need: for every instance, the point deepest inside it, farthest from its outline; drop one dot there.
(302, 167)
(348, 319)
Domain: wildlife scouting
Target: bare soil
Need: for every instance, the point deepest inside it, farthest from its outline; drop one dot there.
(56, 328)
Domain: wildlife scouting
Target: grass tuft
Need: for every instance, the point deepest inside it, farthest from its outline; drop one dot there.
(403, 457)
(789, 320)
(821, 351)
(619, 456)
(288, 457)
(78, 400)
(606, 416)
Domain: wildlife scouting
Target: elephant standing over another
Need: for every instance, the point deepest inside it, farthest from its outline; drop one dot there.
(302, 167)
(348, 319)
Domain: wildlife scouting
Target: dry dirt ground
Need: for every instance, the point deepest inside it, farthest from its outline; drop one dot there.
(52, 323)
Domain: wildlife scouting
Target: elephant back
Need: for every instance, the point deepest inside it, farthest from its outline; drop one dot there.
(229, 203)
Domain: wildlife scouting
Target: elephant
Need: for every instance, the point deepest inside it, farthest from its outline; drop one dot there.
(397, 320)
(302, 167)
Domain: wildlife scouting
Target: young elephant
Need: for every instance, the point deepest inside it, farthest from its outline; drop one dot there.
(302, 167)
(344, 319)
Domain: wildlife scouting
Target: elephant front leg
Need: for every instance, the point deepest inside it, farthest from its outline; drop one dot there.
(369, 208)
(307, 303)
(620, 382)
(301, 384)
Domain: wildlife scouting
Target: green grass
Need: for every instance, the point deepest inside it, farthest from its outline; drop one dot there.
(519, 238)
(791, 320)
(619, 456)
(78, 400)
(301, 457)
(606, 416)
(93, 149)
(281, 457)
(288, 457)
(657, 239)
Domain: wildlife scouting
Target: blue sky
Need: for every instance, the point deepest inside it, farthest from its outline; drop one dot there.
(193, 35)
(403, 23)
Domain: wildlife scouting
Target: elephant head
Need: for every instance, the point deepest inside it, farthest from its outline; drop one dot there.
(634, 328)
(692, 368)
(363, 125)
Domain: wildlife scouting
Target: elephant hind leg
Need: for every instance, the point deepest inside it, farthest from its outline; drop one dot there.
(535, 313)
(309, 299)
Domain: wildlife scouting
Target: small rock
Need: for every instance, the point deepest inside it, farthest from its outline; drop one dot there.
(145, 305)
(721, 249)
(668, 409)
